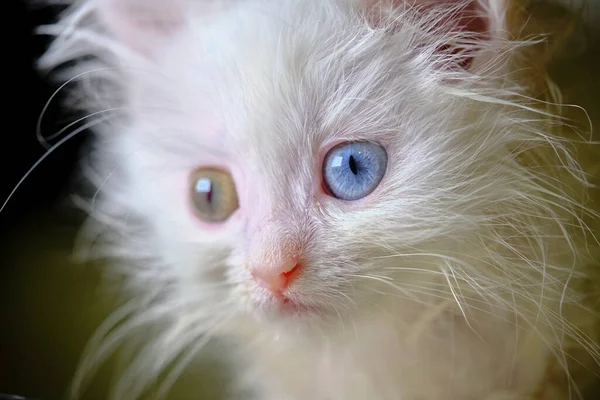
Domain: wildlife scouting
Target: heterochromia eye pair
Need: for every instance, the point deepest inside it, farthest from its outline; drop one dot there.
(351, 171)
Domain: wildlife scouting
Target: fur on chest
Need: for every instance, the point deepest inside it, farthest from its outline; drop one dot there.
(372, 357)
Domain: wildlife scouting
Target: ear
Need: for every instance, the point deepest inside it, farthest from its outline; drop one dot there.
(469, 25)
(142, 25)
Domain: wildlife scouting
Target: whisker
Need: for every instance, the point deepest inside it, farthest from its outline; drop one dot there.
(38, 129)
(169, 346)
(70, 125)
(40, 160)
(191, 353)
(104, 342)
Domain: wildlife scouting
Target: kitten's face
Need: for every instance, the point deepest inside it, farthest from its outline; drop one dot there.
(292, 170)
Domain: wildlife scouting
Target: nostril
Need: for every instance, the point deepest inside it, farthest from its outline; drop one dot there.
(291, 274)
(275, 280)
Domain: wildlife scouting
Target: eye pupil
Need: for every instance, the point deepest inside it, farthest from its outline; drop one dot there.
(352, 164)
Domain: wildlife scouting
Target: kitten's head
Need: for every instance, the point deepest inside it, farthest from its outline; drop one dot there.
(299, 161)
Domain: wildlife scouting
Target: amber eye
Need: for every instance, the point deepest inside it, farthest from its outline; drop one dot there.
(213, 194)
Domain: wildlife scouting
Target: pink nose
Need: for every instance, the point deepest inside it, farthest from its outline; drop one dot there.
(278, 277)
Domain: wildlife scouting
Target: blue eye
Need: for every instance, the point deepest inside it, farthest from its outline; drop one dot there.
(352, 170)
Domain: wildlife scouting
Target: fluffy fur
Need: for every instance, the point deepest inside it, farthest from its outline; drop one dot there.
(465, 275)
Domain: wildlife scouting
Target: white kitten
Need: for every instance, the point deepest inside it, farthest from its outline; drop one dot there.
(361, 195)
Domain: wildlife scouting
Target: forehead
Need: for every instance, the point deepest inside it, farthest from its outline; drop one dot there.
(269, 91)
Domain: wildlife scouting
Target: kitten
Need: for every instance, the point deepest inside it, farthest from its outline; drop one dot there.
(362, 197)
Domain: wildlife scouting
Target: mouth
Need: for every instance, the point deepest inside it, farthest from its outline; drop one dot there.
(281, 306)
(290, 306)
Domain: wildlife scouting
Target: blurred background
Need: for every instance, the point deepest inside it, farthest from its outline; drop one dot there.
(47, 310)
(40, 302)
(49, 306)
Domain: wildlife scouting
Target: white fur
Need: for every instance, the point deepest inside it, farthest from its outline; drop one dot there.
(447, 282)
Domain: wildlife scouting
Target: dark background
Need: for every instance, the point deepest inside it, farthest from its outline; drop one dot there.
(28, 93)
(33, 359)
(49, 306)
